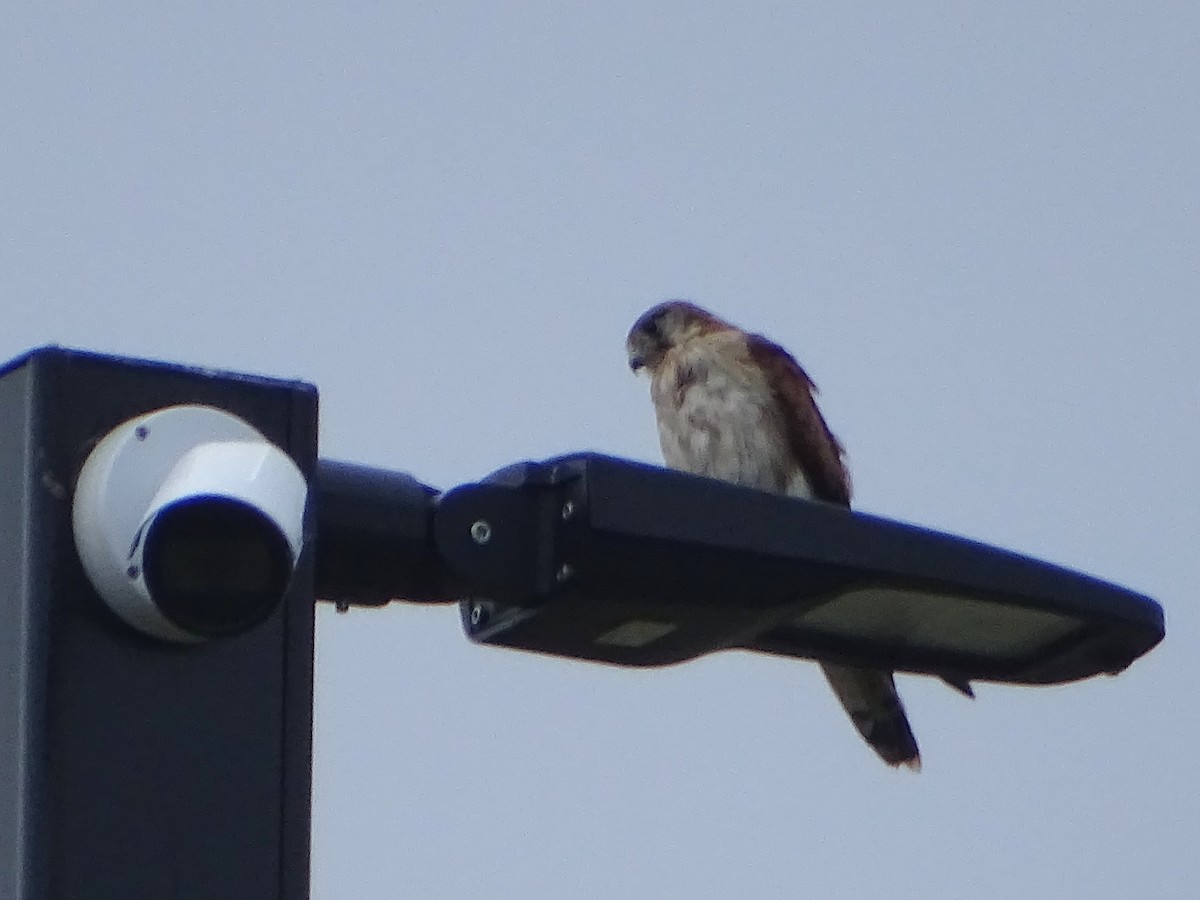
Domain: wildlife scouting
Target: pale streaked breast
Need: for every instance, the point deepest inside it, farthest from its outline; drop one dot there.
(718, 417)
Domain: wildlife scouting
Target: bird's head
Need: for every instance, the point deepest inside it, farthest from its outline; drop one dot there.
(664, 327)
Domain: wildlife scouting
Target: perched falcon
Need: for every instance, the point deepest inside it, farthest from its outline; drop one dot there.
(735, 406)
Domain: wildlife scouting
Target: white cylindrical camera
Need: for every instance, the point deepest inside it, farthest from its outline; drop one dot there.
(189, 523)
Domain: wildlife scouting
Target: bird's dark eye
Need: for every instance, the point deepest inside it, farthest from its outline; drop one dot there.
(650, 324)
(656, 323)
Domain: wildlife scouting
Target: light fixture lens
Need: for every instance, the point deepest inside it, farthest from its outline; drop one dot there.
(943, 623)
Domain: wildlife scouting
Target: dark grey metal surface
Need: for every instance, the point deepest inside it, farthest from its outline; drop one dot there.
(22, 707)
(131, 768)
(584, 548)
(376, 537)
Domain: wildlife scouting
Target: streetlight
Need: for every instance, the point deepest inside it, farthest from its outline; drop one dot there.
(165, 530)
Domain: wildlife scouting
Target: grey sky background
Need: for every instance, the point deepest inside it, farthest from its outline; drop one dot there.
(977, 227)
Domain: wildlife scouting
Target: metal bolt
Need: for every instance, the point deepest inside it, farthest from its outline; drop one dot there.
(141, 432)
(565, 571)
(568, 510)
(481, 531)
(476, 613)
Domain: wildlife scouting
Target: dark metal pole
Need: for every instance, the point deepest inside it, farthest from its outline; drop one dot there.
(131, 767)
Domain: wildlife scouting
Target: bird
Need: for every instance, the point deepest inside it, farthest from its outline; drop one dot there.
(736, 406)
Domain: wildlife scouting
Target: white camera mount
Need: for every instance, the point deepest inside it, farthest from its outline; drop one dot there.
(189, 523)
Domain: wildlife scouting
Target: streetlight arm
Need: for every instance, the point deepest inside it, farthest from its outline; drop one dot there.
(375, 537)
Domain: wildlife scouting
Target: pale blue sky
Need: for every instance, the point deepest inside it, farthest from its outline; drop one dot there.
(976, 226)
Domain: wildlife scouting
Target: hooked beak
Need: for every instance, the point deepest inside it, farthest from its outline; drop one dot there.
(636, 362)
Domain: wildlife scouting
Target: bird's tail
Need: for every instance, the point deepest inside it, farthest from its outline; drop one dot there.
(869, 697)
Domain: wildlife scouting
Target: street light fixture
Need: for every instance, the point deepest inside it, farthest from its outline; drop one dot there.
(604, 559)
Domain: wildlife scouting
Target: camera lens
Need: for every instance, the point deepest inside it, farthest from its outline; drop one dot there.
(214, 565)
